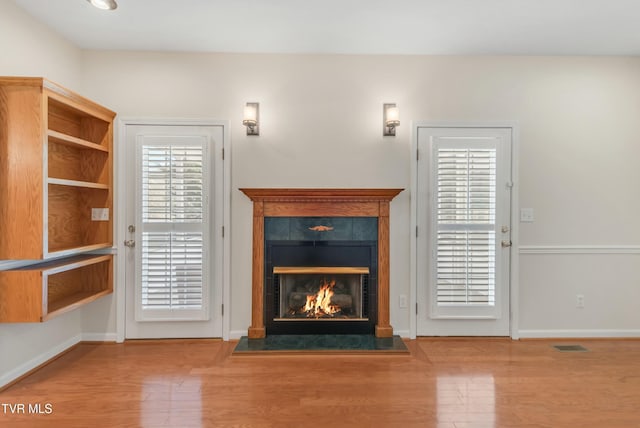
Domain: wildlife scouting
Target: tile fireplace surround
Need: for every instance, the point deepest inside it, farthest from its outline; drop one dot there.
(283, 202)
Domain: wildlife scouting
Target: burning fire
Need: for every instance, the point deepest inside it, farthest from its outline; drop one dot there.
(319, 304)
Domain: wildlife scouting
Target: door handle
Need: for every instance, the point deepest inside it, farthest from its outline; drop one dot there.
(506, 244)
(130, 243)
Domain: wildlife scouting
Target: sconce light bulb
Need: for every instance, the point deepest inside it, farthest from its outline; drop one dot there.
(250, 114)
(393, 115)
(104, 4)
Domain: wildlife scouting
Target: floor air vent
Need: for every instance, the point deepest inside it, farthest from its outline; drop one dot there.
(570, 348)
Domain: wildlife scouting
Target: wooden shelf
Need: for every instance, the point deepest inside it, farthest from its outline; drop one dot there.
(39, 292)
(70, 251)
(70, 226)
(72, 302)
(76, 183)
(62, 140)
(68, 140)
(67, 264)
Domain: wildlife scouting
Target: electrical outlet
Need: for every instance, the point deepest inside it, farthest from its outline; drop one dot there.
(403, 301)
(580, 301)
(100, 214)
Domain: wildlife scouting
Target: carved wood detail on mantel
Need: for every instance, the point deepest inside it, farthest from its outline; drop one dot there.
(288, 202)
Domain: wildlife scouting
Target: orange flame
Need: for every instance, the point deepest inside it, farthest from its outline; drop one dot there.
(319, 304)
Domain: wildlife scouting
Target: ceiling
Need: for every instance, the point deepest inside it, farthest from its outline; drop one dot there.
(415, 27)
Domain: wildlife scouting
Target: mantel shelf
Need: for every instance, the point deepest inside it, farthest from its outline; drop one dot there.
(301, 195)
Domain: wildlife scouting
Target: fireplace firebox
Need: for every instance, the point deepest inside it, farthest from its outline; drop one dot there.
(329, 293)
(321, 287)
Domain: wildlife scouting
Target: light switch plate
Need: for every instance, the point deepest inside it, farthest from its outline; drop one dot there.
(100, 214)
(526, 215)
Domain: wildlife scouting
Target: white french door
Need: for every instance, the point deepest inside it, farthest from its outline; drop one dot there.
(464, 233)
(174, 191)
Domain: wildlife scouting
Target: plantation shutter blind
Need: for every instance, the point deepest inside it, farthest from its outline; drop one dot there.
(174, 221)
(465, 225)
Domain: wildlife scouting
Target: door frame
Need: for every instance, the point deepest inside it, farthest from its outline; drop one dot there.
(120, 233)
(514, 295)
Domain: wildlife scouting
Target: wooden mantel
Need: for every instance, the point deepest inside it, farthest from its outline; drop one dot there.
(320, 203)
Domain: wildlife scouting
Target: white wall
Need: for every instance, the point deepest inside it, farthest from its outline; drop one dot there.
(579, 172)
(29, 49)
(321, 127)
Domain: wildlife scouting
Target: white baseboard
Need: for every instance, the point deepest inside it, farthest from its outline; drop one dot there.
(237, 334)
(577, 334)
(36, 361)
(99, 337)
(405, 334)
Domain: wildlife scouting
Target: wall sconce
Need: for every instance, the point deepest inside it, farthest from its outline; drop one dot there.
(391, 119)
(251, 118)
(104, 4)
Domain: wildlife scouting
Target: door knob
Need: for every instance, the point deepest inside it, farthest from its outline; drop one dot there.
(130, 243)
(506, 244)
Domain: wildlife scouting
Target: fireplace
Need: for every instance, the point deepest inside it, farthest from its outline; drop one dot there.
(320, 261)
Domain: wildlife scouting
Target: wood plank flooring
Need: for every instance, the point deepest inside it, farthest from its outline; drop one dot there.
(444, 383)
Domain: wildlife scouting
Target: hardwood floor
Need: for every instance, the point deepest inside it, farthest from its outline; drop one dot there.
(444, 383)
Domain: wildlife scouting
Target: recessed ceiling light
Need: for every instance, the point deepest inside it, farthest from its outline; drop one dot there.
(104, 4)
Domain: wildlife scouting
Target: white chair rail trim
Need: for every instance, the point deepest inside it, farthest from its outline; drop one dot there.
(579, 249)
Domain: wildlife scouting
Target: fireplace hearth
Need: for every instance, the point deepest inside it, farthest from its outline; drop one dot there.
(320, 261)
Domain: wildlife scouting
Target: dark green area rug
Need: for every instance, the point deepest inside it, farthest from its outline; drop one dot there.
(347, 343)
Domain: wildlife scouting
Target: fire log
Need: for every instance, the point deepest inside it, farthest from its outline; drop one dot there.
(298, 299)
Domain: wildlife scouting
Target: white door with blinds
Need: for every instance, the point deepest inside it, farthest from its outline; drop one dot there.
(174, 278)
(464, 231)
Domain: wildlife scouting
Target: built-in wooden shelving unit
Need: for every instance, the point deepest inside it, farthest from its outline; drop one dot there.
(56, 185)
